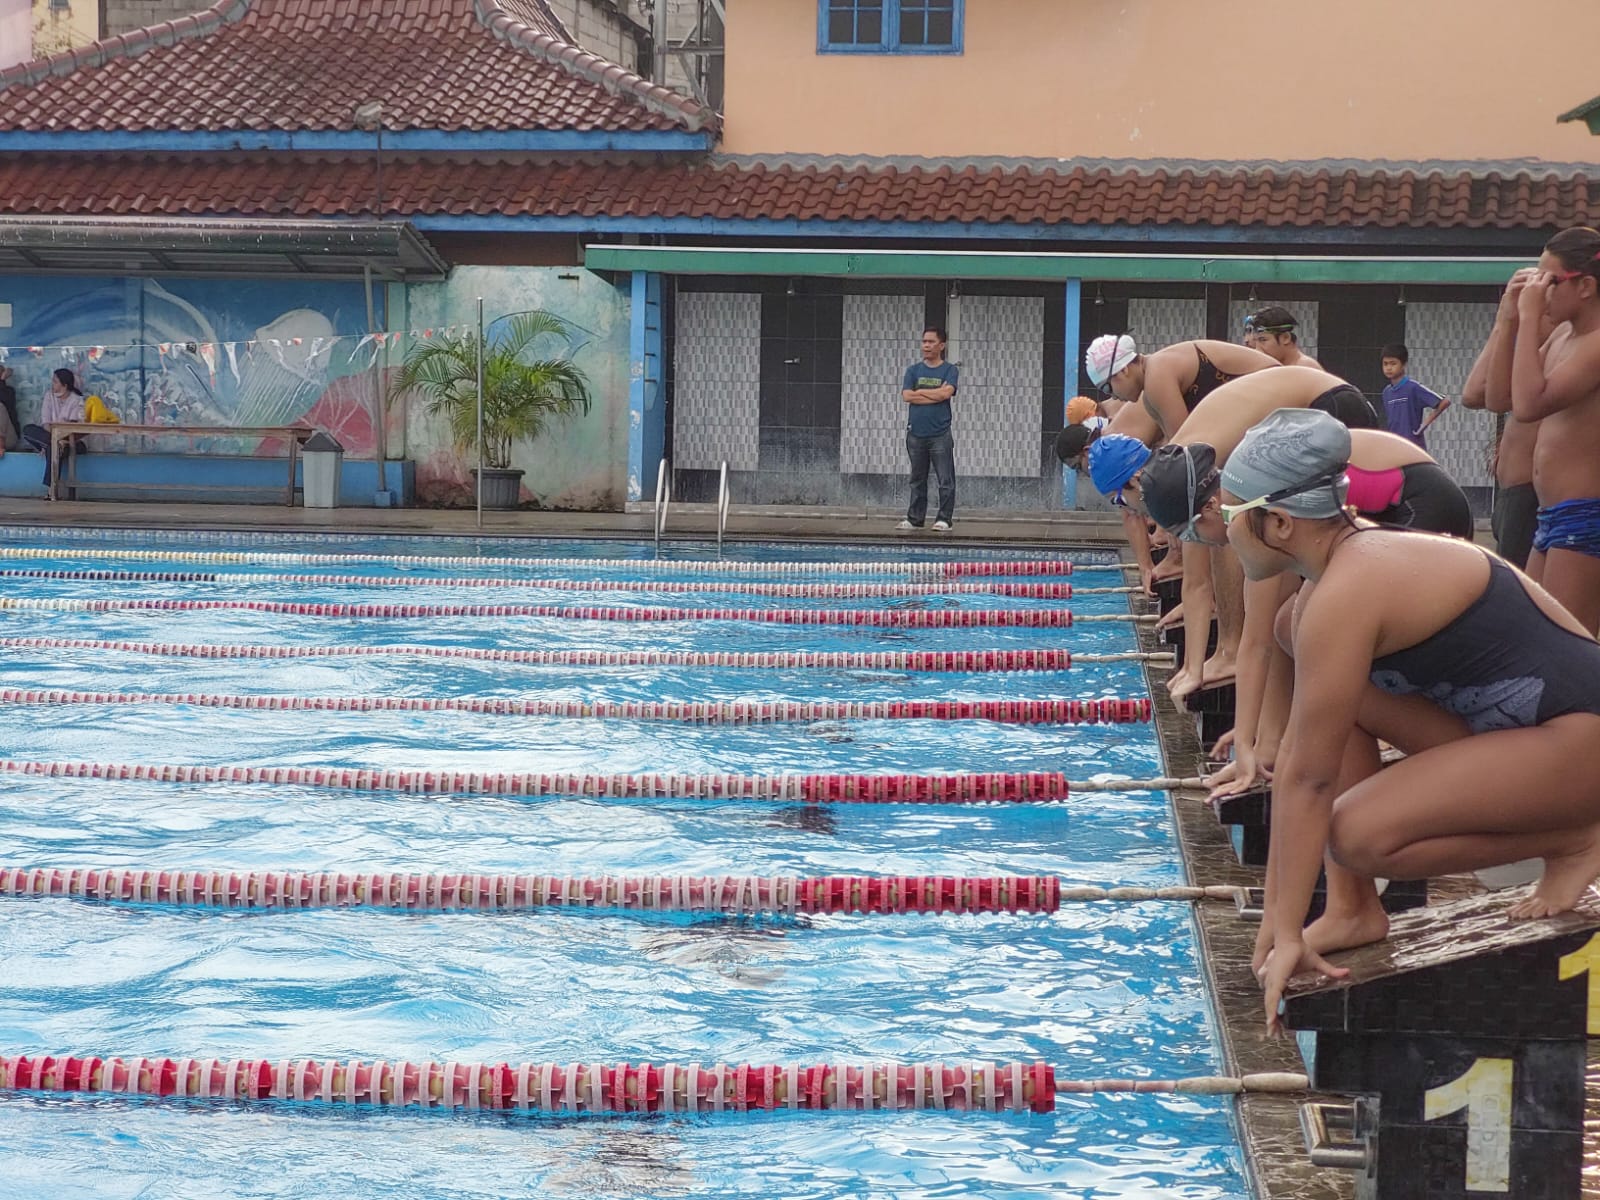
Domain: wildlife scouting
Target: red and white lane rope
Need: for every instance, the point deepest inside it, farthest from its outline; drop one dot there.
(968, 661)
(830, 591)
(909, 570)
(871, 618)
(731, 712)
(734, 895)
(595, 1088)
(551, 1087)
(831, 788)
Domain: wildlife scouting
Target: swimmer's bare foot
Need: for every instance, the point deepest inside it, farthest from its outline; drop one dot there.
(1161, 574)
(1183, 682)
(1341, 931)
(1566, 877)
(1217, 670)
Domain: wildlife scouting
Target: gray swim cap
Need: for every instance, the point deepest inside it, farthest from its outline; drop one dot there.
(1293, 448)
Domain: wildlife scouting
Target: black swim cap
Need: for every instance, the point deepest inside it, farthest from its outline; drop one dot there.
(1177, 482)
(1074, 440)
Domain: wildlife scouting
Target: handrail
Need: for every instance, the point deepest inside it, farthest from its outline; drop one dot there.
(663, 500)
(722, 507)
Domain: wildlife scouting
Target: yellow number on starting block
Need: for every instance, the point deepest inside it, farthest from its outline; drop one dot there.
(1485, 1092)
(1581, 961)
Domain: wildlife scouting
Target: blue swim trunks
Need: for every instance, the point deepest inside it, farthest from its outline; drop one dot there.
(1570, 525)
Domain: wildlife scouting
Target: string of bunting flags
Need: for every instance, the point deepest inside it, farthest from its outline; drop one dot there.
(233, 352)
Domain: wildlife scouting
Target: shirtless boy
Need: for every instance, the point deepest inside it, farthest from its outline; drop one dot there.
(1556, 382)
(1272, 331)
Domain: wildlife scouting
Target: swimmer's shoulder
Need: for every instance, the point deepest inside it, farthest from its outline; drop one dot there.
(1386, 562)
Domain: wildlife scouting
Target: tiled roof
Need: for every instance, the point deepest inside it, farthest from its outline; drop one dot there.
(308, 186)
(306, 64)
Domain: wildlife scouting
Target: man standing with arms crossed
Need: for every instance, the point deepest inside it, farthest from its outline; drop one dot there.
(927, 388)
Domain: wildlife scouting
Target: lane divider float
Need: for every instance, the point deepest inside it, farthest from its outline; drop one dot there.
(832, 591)
(893, 618)
(967, 787)
(594, 1088)
(913, 570)
(729, 895)
(944, 661)
(735, 712)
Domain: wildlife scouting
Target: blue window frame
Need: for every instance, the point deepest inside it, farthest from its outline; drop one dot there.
(889, 26)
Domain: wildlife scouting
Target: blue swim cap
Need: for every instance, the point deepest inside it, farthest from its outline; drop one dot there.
(1115, 458)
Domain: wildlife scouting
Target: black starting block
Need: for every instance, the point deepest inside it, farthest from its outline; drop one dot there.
(1248, 817)
(1172, 637)
(1215, 706)
(1463, 1038)
(1169, 594)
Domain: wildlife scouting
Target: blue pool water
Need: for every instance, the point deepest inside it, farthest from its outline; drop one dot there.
(1099, 991)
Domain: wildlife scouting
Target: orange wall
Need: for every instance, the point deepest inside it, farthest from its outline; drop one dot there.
(1232, 79)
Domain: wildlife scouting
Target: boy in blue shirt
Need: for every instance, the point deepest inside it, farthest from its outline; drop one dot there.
(926, 389)
(1406, 403)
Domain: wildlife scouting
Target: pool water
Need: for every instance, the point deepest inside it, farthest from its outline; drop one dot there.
(1097, 990)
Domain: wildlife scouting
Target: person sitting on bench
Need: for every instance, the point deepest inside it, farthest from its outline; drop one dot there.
(62, 405)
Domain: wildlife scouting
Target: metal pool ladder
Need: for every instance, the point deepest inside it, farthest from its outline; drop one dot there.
(663, 499)
(722, 507)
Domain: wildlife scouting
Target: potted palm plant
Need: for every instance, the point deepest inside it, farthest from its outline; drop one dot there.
(521, 394)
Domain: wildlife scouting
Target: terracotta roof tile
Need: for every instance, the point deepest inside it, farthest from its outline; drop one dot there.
(289, 185)
(306, 64)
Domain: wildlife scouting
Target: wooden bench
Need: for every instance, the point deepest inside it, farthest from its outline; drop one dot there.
(292, 436)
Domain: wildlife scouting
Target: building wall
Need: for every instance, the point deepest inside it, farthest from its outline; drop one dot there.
(581, 463)
(278, 352)
(1365, 79)
(795, 383)
(600, 30)
(16, 32)
(56, 29)
(124, 15)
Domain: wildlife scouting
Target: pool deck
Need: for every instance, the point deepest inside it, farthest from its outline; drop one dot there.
(1278, 1165)
(696, 522)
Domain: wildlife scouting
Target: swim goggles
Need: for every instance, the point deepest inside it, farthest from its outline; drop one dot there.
(1230, 511)
(1189, 532)
(1250, 326)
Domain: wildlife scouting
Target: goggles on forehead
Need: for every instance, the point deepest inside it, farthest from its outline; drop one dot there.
(1230, 511)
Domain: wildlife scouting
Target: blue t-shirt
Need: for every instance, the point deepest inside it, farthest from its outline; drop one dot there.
(929, 420)
(1405, 405)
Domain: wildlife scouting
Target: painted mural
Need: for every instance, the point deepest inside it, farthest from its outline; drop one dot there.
(283, 352)
(198, 351)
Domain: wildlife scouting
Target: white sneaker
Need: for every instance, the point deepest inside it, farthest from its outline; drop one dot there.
(907, 525)
(941, 526)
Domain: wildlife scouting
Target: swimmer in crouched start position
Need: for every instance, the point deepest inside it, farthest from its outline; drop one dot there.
(1441, 649)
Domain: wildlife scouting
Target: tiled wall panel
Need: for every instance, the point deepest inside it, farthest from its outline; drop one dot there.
(717, 372)
(1444, 340)
(1002, 377)
(881, 339)
(1157, 323)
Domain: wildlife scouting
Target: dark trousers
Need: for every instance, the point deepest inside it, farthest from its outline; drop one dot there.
(938, 452)
(38, 437)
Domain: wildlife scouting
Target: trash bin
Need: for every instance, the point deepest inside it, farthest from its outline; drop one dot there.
(323, 460)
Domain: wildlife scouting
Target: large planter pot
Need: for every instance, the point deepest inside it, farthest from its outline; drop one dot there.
(502, 487)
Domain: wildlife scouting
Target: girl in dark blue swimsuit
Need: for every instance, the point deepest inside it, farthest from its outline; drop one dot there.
(1437, 647)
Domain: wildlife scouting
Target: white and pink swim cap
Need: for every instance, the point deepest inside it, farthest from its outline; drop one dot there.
(1107, 355)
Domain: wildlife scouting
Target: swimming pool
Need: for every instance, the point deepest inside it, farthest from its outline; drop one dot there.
(1097, 990)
